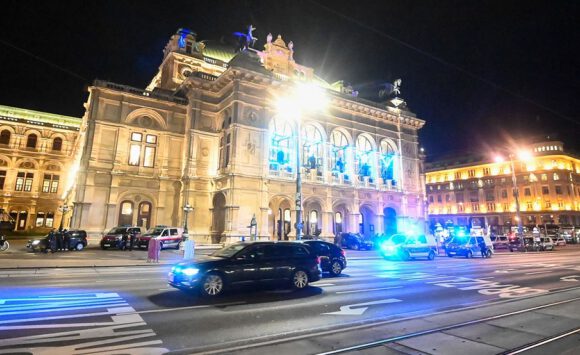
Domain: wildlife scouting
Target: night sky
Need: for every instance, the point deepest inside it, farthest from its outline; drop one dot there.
(479, 72)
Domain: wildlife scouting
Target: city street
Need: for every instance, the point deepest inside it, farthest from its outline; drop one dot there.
(90, 310)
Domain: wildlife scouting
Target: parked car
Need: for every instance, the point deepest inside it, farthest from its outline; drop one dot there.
(332, 258)
(114, 237)
(546, 244)
(560, 241)
(248, 263)
(168, 236)
(522, 243)
(470, 246)
(500, 242)
(355, 242)
(408, 247)
(76, 238)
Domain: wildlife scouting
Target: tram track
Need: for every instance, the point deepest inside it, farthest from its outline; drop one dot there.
(381, 342)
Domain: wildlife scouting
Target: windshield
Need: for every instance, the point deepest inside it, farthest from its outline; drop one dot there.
(154, 231)
(229, 251)
(397, 239)
(117, 231)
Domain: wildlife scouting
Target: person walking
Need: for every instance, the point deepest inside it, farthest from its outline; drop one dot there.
(153, 250)
(59, 241)
(65, 240)
(124, 240)
(51, 242)
(132, 238)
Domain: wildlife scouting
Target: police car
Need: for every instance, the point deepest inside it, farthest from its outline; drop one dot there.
(406, 247)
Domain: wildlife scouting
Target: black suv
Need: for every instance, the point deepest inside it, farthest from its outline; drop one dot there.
(114, 237)
(74, 239)
(355, 242)
(332, 258)
(248, 263)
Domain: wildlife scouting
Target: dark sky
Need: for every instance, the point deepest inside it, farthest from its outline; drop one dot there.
(479, 72)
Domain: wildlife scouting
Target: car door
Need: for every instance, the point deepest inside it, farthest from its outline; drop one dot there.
(323, 251)
(174, 234)
(243, 268)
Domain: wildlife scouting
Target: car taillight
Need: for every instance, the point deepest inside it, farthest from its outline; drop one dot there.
(318, 260)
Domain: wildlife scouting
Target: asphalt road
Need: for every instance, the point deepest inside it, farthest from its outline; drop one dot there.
(110, 309)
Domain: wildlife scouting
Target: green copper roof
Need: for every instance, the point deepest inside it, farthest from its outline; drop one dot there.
(219, 51)
(37, 116)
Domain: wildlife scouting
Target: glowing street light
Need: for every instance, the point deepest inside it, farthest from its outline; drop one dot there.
(303, 97)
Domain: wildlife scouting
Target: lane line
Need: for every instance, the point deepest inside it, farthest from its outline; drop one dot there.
(368, 289)
(577, 330)
(539, 272)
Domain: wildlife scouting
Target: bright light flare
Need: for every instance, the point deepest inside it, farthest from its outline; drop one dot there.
(304, 97)
(498, 159)
(524, 155)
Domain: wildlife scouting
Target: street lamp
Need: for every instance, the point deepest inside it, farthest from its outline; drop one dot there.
(186, 209)
(301, 97)
(64, 209)
(522, 155)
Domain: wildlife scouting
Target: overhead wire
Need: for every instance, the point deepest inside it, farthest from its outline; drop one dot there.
(445, 63)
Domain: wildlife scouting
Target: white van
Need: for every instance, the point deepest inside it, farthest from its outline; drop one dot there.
(169, 237)
(408, 247)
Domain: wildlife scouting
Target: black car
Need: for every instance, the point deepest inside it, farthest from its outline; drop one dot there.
(114, 237)
(528, 244)
(355, 242)
(332, 258)
(75, 239)
(248, 263)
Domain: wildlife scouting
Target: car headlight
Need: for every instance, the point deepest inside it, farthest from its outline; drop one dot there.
(389, 248)
(190, 271)
(36, 242)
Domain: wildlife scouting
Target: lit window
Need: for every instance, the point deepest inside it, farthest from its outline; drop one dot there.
(545, 190)
(149, 157)
(338, 217)
(556, 176)
(39, 219)
(313, 216)
(127, 208)
(544, 177)
(134, 154)
(151, 139)
(49, 221)
(50, 183)
(136, 137)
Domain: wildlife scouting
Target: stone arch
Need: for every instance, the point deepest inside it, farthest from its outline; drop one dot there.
(33, 164)
(370, 139)
(390, 220)
(146, 112)
(5, 161)
(313, 211)
(341, 216)
(136, 198)
(6, 134)
(368, 222)
(280, 218)
(53, 165)
(343, 131)
(388, 142)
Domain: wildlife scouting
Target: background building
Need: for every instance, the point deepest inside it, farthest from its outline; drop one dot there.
(467, 188)
(208, 132)
(36, 157)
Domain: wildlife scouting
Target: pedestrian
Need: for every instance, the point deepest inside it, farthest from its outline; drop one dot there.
(59, 241)
(124, 240)
(153, 250)
(51, 242)
(66, 240)
(132, 238)
(482, 246)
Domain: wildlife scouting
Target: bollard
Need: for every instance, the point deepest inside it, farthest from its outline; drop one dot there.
(188, 249)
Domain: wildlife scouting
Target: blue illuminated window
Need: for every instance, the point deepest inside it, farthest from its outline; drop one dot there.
(364, 157)
(338, 159)
(387, 160)
(281, 145)
(312, 147)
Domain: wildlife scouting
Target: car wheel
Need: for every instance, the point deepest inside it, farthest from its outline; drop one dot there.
(431, 256)
(79, 247)
(354, 247)
(299, 279)
(335, 268)
(212, 285)
(469, 255)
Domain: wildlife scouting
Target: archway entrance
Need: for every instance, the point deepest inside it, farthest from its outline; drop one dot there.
(368, 222)
(340, 219)
(312, 218)
(218, 217)
(390, 218)
(144, 215)
(280, 218)
(126, 213)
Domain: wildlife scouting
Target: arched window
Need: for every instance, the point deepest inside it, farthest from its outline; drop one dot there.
(281, 144)
(312, 222)
(5, 137)
(364, 157)
(338, 149)
(57, 144)
(31, 141)
(144, 215)
(126, 213)
(312, 147)
(387, 160)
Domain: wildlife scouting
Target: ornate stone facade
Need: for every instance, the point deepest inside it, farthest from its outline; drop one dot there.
(37, 151)
(207, 132)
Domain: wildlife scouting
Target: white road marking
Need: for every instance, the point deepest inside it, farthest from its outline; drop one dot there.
(368, 289)
(349, 310)
(538, 272)
(322, 285)
(573, 278)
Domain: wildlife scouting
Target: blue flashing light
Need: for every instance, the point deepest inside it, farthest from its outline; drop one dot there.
(388, 248)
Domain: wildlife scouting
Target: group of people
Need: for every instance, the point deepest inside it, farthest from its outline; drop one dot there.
(127, 241)
(59, 240)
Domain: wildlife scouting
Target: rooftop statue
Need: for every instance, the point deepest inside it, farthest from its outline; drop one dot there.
(391, 89)
(247, 40)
